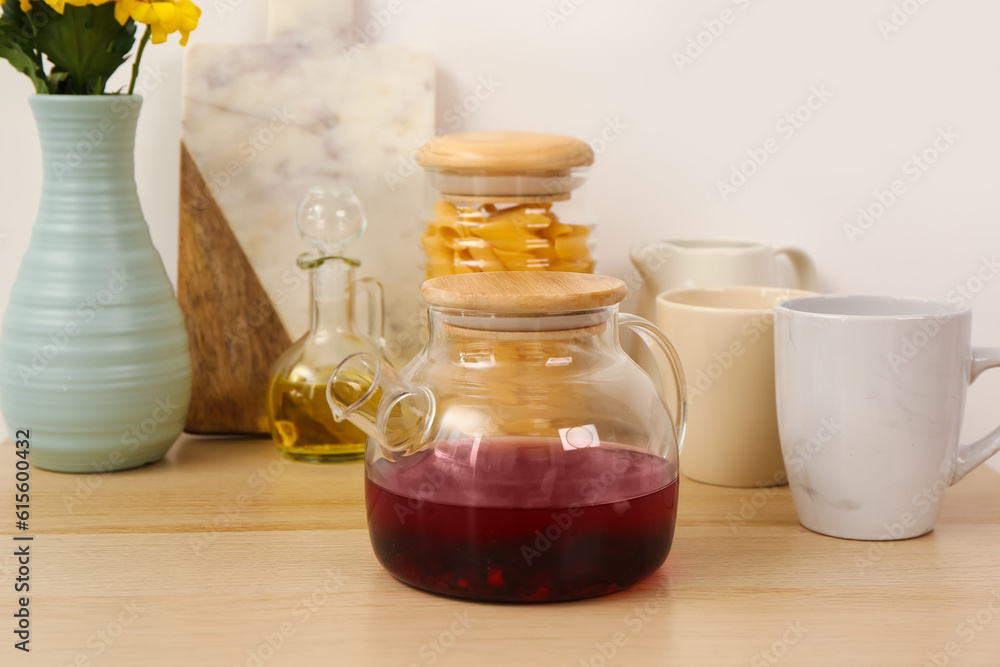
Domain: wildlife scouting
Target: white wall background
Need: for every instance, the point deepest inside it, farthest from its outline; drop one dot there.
(684, 128)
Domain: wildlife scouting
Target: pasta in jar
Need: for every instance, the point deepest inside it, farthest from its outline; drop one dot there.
(494, 237)
(506, 201)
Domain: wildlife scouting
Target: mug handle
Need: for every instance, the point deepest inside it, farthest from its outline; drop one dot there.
(376, 311)
(656, 341)
(802, 264)
(975, 453)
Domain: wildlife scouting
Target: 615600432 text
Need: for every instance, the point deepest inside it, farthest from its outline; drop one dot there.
(22, 542)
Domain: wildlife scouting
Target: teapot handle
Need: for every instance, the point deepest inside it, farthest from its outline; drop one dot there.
(657, 342)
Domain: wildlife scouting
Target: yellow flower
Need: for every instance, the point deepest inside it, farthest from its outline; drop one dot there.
(163, 17)
(60, 5)
(26, 5)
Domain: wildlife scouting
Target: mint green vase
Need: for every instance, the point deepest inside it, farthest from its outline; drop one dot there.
(94, 359)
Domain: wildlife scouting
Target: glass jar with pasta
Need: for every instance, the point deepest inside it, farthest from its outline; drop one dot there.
(506, 201)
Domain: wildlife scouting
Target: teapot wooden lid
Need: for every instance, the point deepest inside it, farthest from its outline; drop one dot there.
(502, 151)
(524, 291)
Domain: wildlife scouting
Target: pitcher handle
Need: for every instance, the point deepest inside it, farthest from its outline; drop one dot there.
(973, 454)
(654, 339)
(802, 264)
(376, 310)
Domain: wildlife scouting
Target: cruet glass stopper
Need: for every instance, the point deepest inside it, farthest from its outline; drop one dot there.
(330, 218)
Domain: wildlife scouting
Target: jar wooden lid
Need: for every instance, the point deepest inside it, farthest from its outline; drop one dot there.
(524, 291)
(503, 151)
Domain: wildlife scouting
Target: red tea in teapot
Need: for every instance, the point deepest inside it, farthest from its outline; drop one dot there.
(522, 519)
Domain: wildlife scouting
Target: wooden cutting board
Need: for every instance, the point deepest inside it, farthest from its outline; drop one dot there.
(263, 123)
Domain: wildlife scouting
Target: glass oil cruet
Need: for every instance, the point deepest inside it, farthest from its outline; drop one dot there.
(298, 415)
(521, 456)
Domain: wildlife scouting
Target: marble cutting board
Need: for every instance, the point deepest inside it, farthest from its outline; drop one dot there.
(261, 124)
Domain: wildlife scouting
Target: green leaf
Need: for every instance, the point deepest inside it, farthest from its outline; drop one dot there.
(88, 44)
(13, 14)
(19, 54)
(17, 45)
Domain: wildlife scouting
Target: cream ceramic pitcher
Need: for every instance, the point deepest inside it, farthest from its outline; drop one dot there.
(694, 263)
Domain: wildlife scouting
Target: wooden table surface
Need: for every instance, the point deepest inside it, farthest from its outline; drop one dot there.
(224, 554)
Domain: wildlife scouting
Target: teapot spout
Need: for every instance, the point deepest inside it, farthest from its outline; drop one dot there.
(368, 392)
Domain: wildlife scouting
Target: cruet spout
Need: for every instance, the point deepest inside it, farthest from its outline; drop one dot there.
(367, 391)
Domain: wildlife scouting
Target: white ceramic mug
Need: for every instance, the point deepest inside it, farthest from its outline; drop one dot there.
(871, 393)
(724, 338)
(691, 263)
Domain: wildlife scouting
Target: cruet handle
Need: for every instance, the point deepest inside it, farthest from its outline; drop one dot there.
(376, 310)
(656, 341)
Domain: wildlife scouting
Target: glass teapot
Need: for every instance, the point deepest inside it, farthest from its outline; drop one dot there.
(521, 456)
